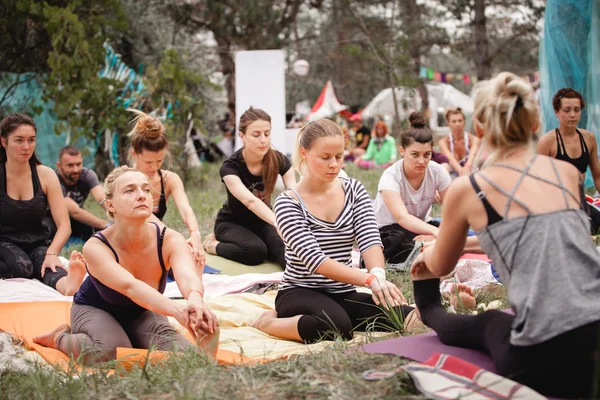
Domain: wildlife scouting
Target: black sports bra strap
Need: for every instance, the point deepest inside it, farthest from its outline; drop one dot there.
(3, 177)
(160, 235)
(102, 238)
(584, 148)
(35, 178)
(492, 215)
(560, 142)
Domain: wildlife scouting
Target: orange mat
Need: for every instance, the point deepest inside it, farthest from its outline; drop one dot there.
(29, 319)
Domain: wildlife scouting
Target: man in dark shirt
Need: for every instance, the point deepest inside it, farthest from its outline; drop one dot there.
(77, 183)
(362, 136)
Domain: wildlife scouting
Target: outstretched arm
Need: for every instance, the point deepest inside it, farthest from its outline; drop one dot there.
(393, 201)
(253, 203)
(189, 281)
(84, 216)
(473, 150)
(60, 215)
(175, 187)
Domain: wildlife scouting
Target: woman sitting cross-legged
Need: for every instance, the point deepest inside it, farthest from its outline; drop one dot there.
(527, 211)
(120, 304)
(320, 221)
(381, 152)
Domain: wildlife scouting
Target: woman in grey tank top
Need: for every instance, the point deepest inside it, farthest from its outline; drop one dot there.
(527, 212)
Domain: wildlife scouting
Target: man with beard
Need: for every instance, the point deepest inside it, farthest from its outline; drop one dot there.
(77, 183)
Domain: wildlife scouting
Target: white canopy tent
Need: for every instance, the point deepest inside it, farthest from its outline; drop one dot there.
(441, 97)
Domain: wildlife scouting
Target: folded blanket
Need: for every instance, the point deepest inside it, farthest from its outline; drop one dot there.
(449, 377)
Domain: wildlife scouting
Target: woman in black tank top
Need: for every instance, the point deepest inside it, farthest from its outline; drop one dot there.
(121, 303)
(568, 143)
(26, 250)
(149, 147)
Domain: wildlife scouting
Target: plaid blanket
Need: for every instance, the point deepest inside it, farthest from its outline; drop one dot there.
(449, 377)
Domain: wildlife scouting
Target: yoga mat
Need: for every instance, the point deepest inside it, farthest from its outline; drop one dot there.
(27, 320)
(421, 347)
(229, 267)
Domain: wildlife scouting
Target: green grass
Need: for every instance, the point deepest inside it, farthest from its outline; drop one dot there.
(332, 373)
(329, 374)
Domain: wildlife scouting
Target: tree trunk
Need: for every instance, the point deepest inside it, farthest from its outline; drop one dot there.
(482, 59)
(228, 70)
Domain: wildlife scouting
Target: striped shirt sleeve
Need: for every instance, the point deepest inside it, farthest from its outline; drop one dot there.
(296, 233)
(365, 224)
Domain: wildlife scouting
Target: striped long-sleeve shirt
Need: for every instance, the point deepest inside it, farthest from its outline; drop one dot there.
(309, 241)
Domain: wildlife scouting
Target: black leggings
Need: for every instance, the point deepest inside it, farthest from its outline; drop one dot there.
(16, 262)
(398, 242)
(325, 315)
(560, 367)
(249, 245)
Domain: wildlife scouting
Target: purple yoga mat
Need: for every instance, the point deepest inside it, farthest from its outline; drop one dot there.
(421, 347)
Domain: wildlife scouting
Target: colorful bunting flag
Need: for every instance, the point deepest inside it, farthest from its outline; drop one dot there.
(448, 77)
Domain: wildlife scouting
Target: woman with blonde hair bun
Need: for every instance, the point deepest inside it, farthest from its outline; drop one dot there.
(149, 149)
(527, 212)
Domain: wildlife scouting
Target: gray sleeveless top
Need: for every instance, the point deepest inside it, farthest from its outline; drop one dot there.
(548, 263)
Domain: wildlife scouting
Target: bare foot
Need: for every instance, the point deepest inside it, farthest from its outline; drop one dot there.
(50, 339)
(265, 317)
(413, 324)
(462, 297)
(210, 244)
(208, 344)
(75, 274)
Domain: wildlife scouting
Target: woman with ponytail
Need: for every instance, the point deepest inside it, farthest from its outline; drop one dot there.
(245, 229)
(149, 148)
(527, 211)
(27, 190)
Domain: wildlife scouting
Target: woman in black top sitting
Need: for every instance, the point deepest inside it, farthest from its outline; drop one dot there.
(567, 143)
(245, 227)
(27, 190)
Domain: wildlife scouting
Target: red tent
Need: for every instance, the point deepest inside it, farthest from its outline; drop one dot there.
(327, 104)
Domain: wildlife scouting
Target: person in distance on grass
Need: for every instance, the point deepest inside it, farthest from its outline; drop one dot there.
(459, 147)
(319, 221)
(527, 211)
(120, 304)
(149, 148)
(381, 152)
(27, 190)
(245, 227)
